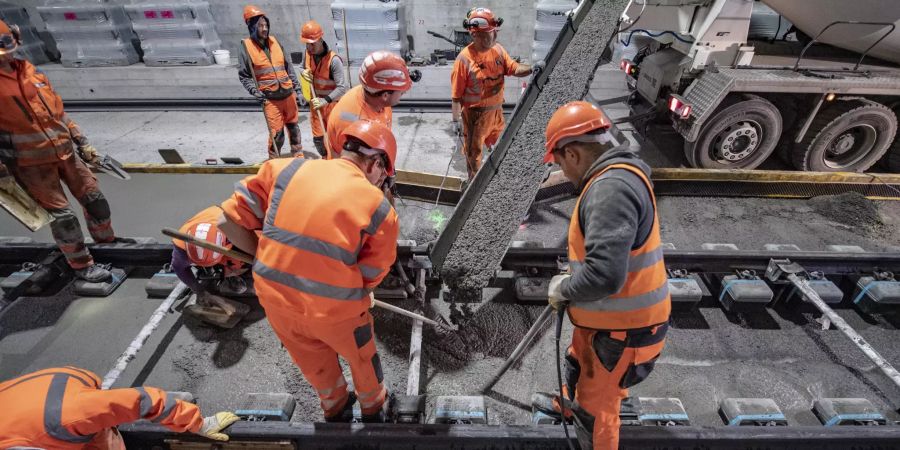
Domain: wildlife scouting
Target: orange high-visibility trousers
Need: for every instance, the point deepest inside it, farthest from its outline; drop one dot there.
(598, 384)
(481, 126)
(315, 346)
(280, 114)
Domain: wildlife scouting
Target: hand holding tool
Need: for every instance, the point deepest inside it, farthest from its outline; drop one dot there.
(213, 425)
(554, 295)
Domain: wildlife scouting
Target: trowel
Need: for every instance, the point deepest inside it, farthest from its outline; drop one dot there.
(216, 310)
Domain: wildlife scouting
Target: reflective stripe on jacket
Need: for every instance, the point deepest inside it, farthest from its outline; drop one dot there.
(321, 72)
(270, 73)
(321, 250)
(643, 301)
(63, 408)
(34, 129)
(350, 108)
(477, 78)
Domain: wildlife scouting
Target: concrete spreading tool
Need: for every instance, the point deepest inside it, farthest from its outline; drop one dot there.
(244, 257)
(20, 205)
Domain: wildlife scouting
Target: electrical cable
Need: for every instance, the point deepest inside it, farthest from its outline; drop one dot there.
(652, 34)
(560, 313)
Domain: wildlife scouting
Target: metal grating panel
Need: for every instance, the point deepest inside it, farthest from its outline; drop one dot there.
(785, 80)
(704, 94)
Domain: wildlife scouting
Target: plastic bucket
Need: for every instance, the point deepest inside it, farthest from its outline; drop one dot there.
(223, 57)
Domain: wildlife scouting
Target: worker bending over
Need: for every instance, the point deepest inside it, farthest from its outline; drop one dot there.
(476, 84)
(616, 289)
(384, 78)
(65, 408)
(214, 267)
(320, 255)
(269, 77)
(325, 70)
(38, 143)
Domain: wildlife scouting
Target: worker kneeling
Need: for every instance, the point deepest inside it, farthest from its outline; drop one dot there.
(616, 289)
(65, 408)
(320, 254)
(212, 268)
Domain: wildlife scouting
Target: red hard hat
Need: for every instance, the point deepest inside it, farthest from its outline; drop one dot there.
(384, 71)
(208, 232)
(8, 40)
(377, 138)
(481, 19)
(572, 121)
(251, 11)
(311, 32)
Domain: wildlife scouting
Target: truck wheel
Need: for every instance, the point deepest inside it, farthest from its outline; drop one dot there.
(739, 136)
(848, 136)
(891, 160)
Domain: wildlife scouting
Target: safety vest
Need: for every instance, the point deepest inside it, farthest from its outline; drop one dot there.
(644, 300)
(321, 73)
(321, 250)
(271, 74)
(352, 107)
(34, 129)
(484, 82)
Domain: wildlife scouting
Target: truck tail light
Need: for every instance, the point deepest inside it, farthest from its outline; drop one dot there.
(681, 108)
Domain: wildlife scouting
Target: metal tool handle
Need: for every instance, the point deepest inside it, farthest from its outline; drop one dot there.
(517, 353)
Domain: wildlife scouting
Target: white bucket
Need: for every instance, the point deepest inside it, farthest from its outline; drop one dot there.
(223, 57)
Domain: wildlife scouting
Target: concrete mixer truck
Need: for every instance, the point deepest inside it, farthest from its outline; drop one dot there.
(828, 100)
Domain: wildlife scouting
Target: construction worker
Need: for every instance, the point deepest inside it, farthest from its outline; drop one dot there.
(269, 77)
(383, 78)
(65, 408)
(38, 142)
(325, 70)
(215, 267)
(476, 85)
(616, 289)
(320, 255)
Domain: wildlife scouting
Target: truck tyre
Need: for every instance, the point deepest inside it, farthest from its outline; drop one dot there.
(891, 160)
(847, 136)
(740, 135)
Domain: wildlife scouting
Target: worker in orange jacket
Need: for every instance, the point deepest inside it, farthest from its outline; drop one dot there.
(384, 78)
(268, 75)
(65, 408)
(476, 86)
(325, 70)
(37, 148)
(320, 255)
(616, 289)
(215, 266)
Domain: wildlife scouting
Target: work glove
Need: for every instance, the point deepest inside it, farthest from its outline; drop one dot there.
(307, 75)
(537, 68)
(554, 294)
(301, 100)
(213, 425)
(318, 102)
(88, 153)
(372, 297)
(457, 127)
(260, 97)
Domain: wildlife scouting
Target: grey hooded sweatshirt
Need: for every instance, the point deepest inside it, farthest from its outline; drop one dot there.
(616, 216)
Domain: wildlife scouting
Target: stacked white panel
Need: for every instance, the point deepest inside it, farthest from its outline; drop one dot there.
(550, 17)
(175, 34)
(90, 34)
(370, 25)
(32, 47)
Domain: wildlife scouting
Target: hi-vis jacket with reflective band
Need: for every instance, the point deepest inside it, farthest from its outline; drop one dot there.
(644, 299)
(271, 74)
(350, 108)
(34, 129)
(321, 250)
(477, 77)
(208, 215)
(321, 72)
(63, 408)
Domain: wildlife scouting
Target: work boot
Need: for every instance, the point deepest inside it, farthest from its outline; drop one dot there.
(93, 274)
(549, 404)
(346, 414)
(383, 414)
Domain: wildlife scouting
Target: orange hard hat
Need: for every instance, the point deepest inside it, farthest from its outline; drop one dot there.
(384, 71)
(481, 19)
(209, 232)
(251, 11)
(577, 121)
(311, 32)
(8, 39)
(377, 138)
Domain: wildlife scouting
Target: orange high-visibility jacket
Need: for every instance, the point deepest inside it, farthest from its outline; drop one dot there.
(350, 108)
(62, 408)
(321, 72)
(271, 74)
(644, 300)
(328, 236)
(477, 77)
(208, 215)
(34, 129)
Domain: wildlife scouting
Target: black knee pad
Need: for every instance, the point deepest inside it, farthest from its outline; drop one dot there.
(293, 133)
(65, 225)
(278, 139)
(319, 142)
(96, 205)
